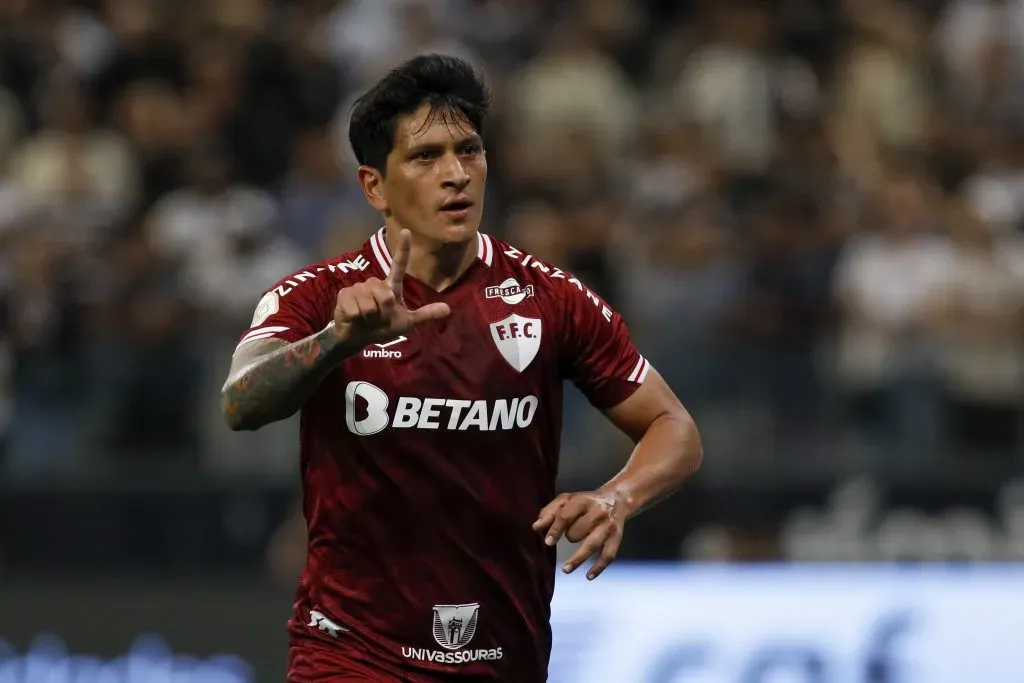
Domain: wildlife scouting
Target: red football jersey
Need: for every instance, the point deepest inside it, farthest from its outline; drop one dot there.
(425, 460)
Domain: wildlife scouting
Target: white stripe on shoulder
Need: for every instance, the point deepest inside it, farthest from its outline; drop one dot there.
(380, 251)
(265, 330)
(257, 337)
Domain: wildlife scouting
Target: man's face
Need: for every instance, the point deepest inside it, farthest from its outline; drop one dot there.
(435, 179)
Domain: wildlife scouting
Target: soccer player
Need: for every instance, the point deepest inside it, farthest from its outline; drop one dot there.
(428, 369)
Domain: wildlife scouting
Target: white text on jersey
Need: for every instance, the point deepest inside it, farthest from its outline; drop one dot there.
(460, 657)
(432, 413)
(358, 263)
(382, 350)
(558, 274)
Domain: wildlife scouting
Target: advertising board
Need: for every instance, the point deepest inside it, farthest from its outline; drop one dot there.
(636, 624)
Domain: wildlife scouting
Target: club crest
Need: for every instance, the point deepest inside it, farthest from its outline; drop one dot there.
(454, 625)
(517, 339)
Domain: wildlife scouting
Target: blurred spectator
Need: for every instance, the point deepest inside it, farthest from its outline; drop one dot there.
(323, 211)
(83, 173)
(142, 51)
(981, 306)
(969, 29)
(783, 312)
(995, 191)
(151, 115)
(214, 223)
(571, 85)
(882, 93)
(41, 334)
(146, 356)
(686, 275)
(735, 84)
(885, 284)
(670, 165)
(504, 31)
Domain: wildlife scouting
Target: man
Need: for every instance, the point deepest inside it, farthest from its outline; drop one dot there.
(428, 368)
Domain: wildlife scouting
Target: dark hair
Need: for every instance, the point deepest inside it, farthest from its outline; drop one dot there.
(446, 84)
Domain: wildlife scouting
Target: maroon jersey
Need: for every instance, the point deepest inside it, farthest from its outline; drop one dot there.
(426, 459)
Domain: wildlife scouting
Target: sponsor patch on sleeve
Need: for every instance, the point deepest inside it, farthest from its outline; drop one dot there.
(268, 306)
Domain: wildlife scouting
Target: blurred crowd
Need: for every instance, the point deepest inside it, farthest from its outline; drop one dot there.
(810, 212)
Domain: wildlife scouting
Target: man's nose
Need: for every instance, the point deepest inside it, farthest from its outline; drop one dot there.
(453, 173)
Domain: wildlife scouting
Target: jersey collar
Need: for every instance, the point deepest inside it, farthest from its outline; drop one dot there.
(484, 249)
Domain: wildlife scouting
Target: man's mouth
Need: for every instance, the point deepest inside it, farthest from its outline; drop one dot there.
(457, 206)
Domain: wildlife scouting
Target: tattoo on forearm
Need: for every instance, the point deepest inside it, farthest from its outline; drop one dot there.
(275, 386)
(305, 352)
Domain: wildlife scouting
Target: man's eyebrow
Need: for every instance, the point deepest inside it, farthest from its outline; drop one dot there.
(473, 138)
(418, 148)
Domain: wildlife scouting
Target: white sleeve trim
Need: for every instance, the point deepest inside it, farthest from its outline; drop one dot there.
(640, 371)
(272, 329)
(261, 333)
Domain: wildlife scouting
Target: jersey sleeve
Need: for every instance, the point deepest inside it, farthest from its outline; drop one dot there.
(291, 310)
(597, 352)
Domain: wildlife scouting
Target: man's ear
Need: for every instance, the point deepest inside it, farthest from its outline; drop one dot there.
(372, 182)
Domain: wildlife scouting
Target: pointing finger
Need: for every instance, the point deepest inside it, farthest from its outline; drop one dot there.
(400, 262)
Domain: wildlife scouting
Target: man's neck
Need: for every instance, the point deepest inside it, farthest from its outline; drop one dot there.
(434, 263)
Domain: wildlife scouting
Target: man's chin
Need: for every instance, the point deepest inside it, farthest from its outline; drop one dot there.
(458, 232)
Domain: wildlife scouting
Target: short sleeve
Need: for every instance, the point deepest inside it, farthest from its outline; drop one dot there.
(597, 352)
(290, 311)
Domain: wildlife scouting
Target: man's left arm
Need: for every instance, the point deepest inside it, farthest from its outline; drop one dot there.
(668, 450)
(668, 446)
(603, 362)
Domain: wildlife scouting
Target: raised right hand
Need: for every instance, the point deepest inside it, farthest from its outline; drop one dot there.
(374, 310)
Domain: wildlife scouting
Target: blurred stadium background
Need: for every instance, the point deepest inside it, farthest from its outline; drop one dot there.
(811, 213)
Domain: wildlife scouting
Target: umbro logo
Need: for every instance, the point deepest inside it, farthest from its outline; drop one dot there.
(509, 291)
(382, 350)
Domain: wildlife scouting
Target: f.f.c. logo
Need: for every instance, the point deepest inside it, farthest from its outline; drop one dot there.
(517, 339)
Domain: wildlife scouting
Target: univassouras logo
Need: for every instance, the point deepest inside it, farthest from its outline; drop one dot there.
(425, 654)
(453, 628)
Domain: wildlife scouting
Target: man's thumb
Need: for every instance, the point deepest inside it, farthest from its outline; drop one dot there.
(436, 311)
